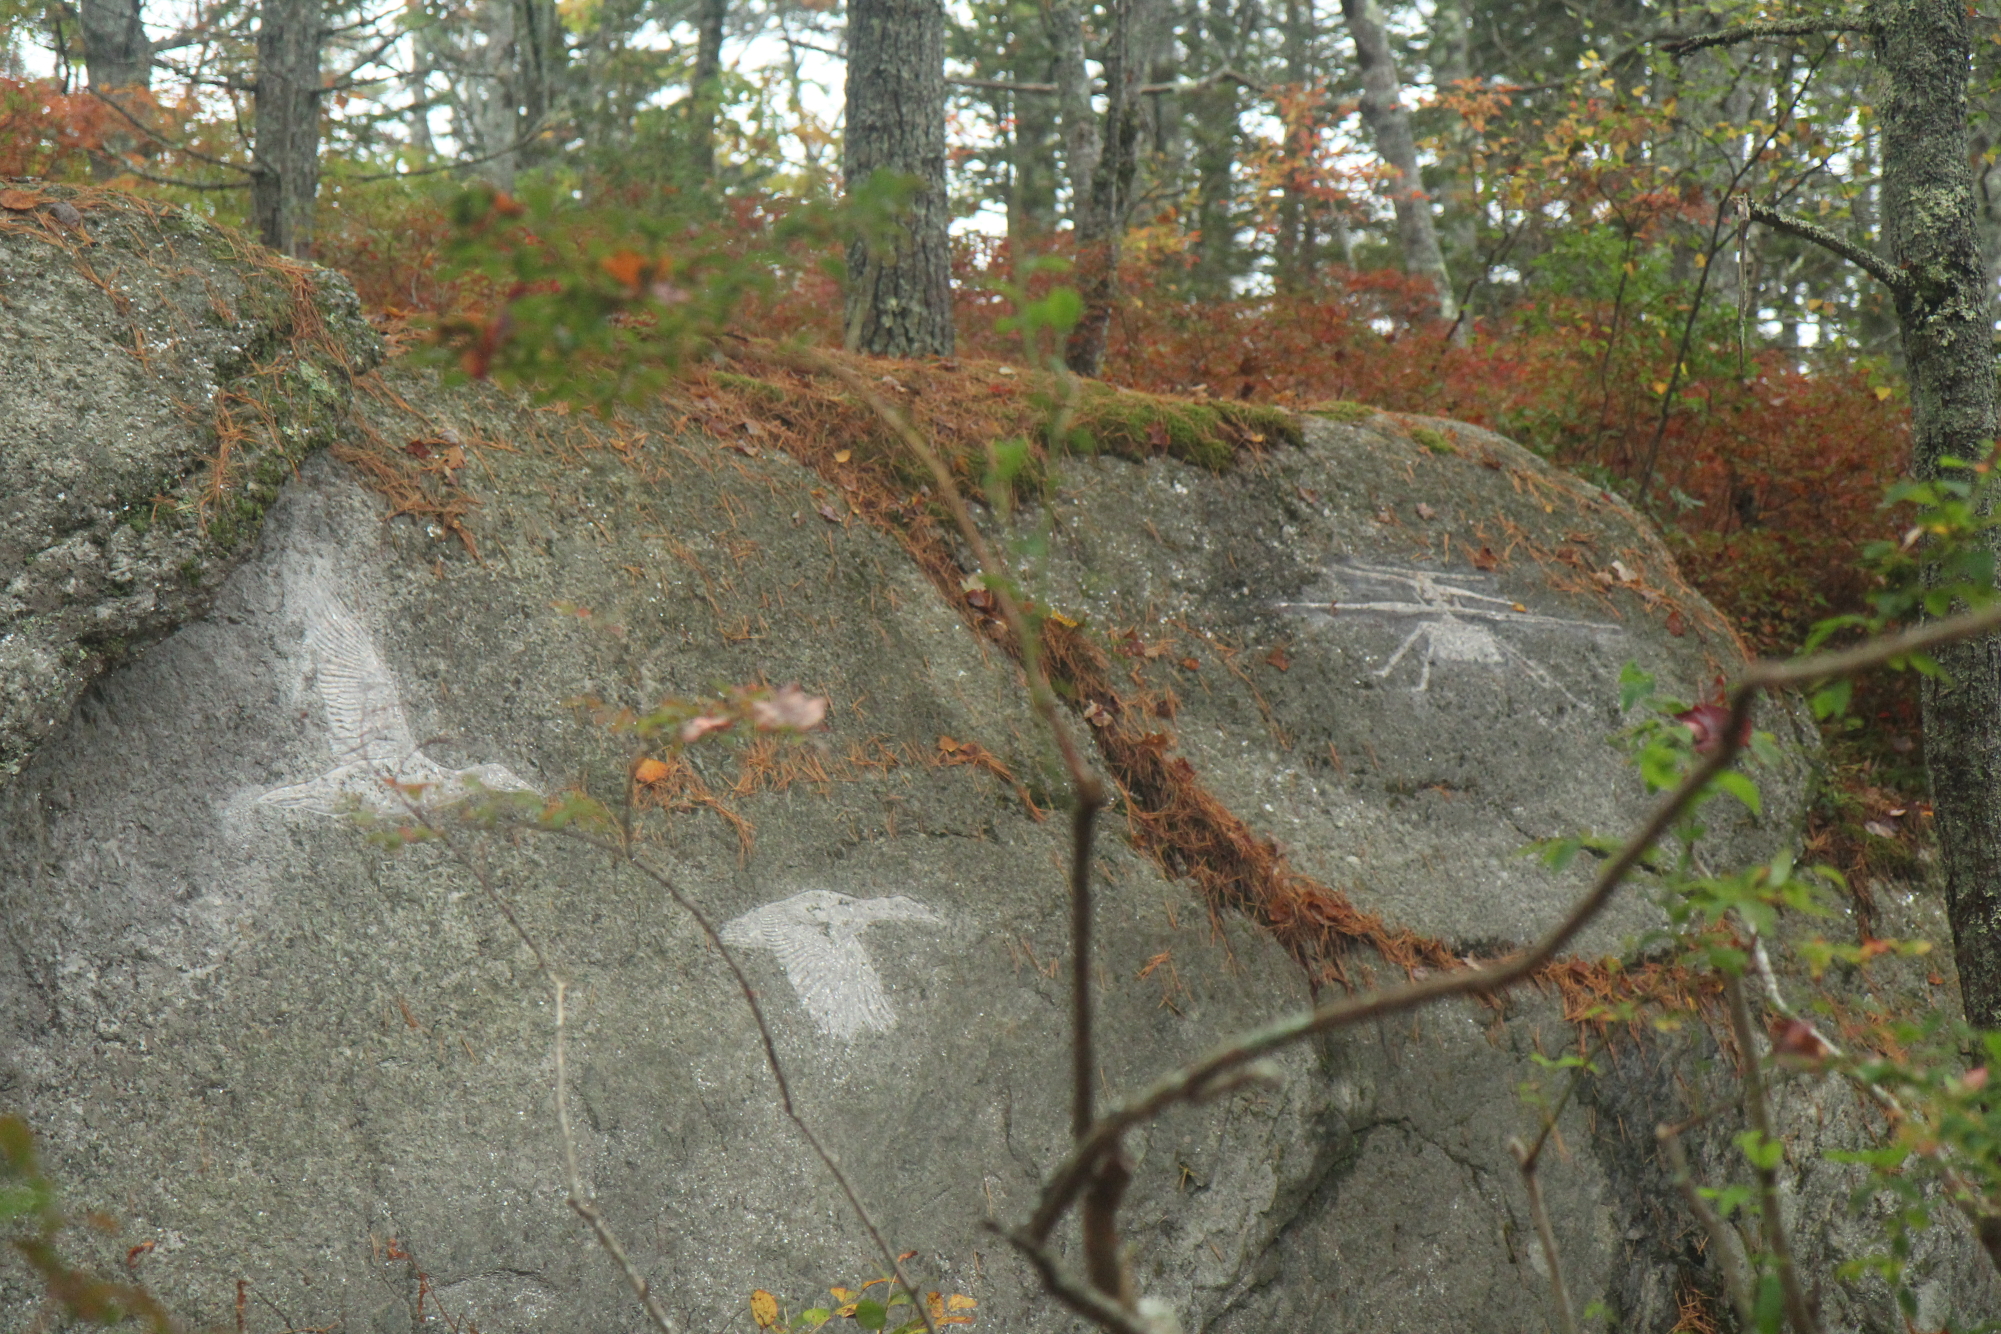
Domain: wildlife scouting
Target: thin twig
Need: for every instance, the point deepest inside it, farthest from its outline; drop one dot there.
(1525, 1159)
(1191, 1082)
(581, 1202)
(152, 133)
(1072, 1291)
(579, 1198)
(1868, 261)
(1082, 1061)
(777, 1068)
(1755, 32)
(1724, 1242)
(1758, 1111)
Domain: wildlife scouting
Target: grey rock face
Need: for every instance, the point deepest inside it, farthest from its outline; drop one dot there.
(155, 391)
(287, 1057)
(1400, 660)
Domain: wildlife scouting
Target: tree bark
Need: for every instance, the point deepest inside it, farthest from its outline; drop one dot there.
(116, 53)
(1293, 245)
(285, 166)
(1946, 316)
(1102, 224)
(1389, 124)
(899, 300)
(1075, 114)
(705, 92)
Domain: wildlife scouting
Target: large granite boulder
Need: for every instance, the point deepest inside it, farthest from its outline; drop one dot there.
(158, 381)
(1338, 680)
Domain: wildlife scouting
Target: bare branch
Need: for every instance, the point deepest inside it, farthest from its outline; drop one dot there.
(1757, 32)
(1073, 1292)
(585, 1207)
(1525, 1158)
(1758, 1111)
(820, 1150)
(158, 179)
(1868, 261)
(1209, 80)
(1003, 85)
(152, 133)
(1224, 75)
(1723, 1241)
(1089, 787)
(1193, 1081)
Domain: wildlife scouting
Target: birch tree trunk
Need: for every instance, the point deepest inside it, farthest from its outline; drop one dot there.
(1389, 124)
(285, 164)
(1946, 315)
(899, 300)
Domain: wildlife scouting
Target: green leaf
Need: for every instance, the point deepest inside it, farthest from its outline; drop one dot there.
(1742, 788)
(1634, 686)
(870, 1314)
(813, 1317)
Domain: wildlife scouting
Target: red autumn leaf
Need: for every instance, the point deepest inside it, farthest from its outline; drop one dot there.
(1156, 435)
(19, 201)
(1485, 559)
(1190, 664)
(1278, 659)
(1676, 626)
(650, 771)
(1796, 1037)
(1707, 722)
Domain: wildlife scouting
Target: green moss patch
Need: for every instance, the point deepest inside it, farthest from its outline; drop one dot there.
(1205, 433)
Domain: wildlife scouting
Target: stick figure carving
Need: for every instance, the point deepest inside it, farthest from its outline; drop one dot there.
(366, 728)
(1456, 624)
(817, 936)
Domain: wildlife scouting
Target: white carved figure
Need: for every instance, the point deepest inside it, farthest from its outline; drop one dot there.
(817, 936)
(366, 730)
(1454, 624)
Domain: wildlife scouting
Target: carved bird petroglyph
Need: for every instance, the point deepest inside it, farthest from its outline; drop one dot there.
(817, 937)
(366, 730)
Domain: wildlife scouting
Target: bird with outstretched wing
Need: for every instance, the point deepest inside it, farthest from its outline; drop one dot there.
(817, 936)
(367, 731)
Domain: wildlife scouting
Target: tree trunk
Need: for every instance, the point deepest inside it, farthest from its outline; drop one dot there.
(1102, 224)
(285, 168)
(899, 300)
(116, 55)
(705, 92)
(115, 50)
(493, 95)
(1389, 125)
(1292, 245)
(1077, 117)
(538, 72)
(1452, 62)
(1945, 313)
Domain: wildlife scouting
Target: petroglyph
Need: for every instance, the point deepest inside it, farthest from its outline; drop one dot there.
(817, 936)
(1456, 622)
(367, 732)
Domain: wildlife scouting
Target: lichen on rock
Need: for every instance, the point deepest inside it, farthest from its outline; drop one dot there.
(159, 381)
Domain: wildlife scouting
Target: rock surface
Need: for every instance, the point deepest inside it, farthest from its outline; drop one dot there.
(156, 387)
(286, 1056)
